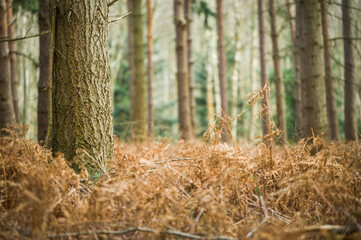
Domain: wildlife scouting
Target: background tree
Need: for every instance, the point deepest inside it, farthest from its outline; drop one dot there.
(222, 62)
(11, 35)
(7, 114)
(43, 89)
(349, 73)
(280, 91)
(262, 60)
(308, 22)
(330, 98)
(150, 68)
(81, 106)
(185, 125)
(139, 97)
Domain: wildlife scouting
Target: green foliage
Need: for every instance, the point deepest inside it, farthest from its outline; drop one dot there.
(291, 115)
(27, 5)
(202, 8)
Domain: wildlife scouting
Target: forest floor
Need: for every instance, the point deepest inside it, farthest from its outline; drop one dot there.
(192, 190)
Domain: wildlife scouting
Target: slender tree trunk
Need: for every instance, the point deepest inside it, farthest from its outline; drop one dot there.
(14, 81)
(131, 64)
(188, 17)
(150, 68)
(7, 114)
(349, 74)
(185, 125)
(296, 66)
(311, 67)
(262, 61)
(330, 97)
(222, 63)
(81, 94)
(280, 90)
(139, 105)
(43, 90)
(251, 77)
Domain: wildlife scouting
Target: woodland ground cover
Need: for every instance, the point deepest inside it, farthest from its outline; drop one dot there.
(195, 190)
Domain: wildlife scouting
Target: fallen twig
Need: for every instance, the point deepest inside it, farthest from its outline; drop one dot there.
(339, 229)
(137, 229)
(170, 160)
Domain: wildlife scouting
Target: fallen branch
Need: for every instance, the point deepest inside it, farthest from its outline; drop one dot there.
(170, 160)
(137, 229)
(336, 228)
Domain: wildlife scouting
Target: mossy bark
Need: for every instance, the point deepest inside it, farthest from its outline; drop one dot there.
(81, 95)
(310, 47)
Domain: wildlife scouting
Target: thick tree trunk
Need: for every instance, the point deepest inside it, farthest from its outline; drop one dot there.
(222, 63)
(349, 74)
(150, 68)
(81, 95)
(188, 17)
(43, 88)
(296, 66)
(262, 61)
(139, 105)
(185, 125)
(330, 97)
(280, 90)
(311, 67)
(7, 114)
(14, 80)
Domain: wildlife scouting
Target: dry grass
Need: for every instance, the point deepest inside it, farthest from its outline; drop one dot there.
(158, 190)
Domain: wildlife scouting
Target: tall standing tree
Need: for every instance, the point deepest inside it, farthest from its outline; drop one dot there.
(262, 61)
(185, 125)
(188, 17)
(222, 62)
(296, 66)
(14, 81)
(44, 57)
(349, 73)
(330, 96)
(81, 96)
(280, 90)
(308, 20)
(150, 68)
(139, 86)
(7, 114)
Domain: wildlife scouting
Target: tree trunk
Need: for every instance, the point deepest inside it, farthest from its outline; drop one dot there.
(81, 94)
(131, 63)
(43, 89)
(7, 114)
(311, 68)
(222, 63)
(150, 68)
(251, 77)
(188, 17)
(185, 125)
(349, 74)
(330, 97)
(262, 61)
(296, 66)
(14, 81)
(280, 90)
(139, 105)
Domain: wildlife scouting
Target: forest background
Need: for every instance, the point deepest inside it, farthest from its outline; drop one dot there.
(242, 61)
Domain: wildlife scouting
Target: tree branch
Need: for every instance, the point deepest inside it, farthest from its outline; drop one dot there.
(120, 18)
(23, 38)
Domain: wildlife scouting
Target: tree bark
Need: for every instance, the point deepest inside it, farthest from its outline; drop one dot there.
(296, 66)
(14, 81)
(222, 64)
(185, 125)
(7, 114)
(188, 17)
(280, 90)
(311, 68)
(349, 73)
(150, 68)
(262, 61)
(81, 94)
(131, 64)
(139, 105)
(44, 56)
(330, 97)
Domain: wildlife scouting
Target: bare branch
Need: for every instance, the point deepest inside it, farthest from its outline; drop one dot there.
(23, 38)
(120, 18)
